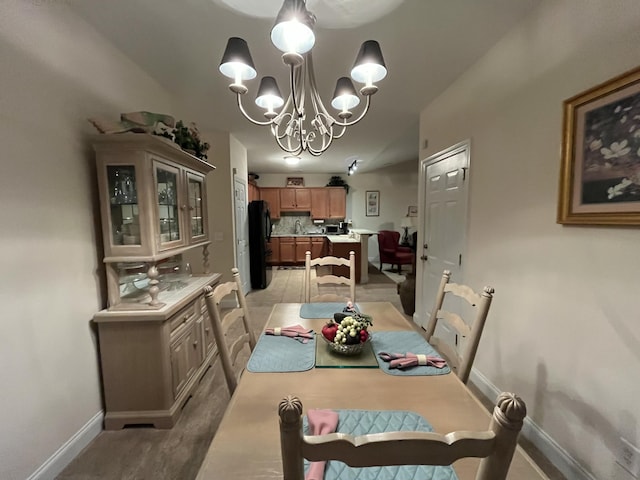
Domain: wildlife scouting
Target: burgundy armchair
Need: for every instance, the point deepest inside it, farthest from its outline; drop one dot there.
(391, 251)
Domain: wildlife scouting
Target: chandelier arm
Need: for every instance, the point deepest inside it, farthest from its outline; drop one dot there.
(247, 116)
(317, 152)
(339, 135)
(293, 151)
(294, 80)
(364, 112)
(318, 106)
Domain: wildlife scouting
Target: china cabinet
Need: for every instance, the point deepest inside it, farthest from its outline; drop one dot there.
(154, 335)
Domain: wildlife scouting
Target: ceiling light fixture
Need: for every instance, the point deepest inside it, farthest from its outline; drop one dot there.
(295, 128)
(353, 167)
(292, 160)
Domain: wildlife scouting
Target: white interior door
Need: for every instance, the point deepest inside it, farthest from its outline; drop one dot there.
(444, 182)
(242, 232)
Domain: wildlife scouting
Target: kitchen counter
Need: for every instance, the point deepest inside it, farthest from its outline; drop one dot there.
(343, 238)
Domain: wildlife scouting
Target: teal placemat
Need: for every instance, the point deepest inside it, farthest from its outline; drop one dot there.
(362, 422)
(322, 309)
(403, 342)
(282, 354)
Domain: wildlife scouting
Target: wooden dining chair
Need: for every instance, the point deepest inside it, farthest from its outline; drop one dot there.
(225, 322)
(331, 279)
(461, 362)
(495, 446)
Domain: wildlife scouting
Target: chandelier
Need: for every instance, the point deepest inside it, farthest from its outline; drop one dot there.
(299, 127)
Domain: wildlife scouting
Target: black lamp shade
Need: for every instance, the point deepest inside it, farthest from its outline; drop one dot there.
(269, 95)
(293, 28)
(344, 96)
(369, 65)
(237, 60)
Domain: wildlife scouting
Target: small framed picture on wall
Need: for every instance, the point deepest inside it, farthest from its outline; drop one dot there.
(372, 203)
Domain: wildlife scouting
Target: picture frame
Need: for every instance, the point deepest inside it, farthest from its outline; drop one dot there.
(412, 211)
(372, 203)
(600, 165)
(295, 182)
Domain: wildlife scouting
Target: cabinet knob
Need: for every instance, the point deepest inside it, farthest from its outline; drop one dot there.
(183, 207)
(206, 329)
(195, 343)
(185, 318)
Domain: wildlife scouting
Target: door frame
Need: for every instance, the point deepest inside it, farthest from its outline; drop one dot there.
(245, 272)
(420, 316)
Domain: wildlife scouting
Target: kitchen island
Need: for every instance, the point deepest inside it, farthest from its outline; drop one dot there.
(363, 236)
(340, 246)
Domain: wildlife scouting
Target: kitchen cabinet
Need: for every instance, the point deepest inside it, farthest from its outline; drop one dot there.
(295, 199)
(154, 338)
(318, 247)
(274, 246)
(287, 250)
(341, 249)
(272, 197)
(319, 203)
(337, 203)
(254, 192)
(303, 245)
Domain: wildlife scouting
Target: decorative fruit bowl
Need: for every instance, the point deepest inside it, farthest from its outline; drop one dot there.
(346, 349)
(348, 333)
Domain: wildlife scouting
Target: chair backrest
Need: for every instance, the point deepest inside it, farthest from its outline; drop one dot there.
(388, 240)
(330, 279)
(223, 321)
(495, 446)
(461, 361)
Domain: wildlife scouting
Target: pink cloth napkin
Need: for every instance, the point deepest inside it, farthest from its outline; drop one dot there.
(408, 360)
(297, 332)
(321, 422)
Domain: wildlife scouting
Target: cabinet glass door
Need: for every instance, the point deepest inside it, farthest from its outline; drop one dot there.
(123, 193)
(167, 189)
(195, 192)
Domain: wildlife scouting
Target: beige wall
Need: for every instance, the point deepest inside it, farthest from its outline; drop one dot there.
(56, 72)
(563, 330)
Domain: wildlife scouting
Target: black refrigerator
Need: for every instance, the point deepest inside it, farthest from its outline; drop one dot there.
(259, 238)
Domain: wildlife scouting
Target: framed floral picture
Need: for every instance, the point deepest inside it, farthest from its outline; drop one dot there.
(600, 172)
(372, 203)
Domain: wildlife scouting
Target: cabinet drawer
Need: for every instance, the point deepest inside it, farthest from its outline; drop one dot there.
(182, 318)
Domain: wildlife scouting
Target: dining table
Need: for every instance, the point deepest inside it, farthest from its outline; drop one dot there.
(247, 443)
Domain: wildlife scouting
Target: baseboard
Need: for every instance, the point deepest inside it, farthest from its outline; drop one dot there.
(69, 450)
(557, 455)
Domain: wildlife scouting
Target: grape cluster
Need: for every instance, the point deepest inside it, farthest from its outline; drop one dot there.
(352, 330)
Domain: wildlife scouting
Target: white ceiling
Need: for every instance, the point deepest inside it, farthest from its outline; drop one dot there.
(426, 45)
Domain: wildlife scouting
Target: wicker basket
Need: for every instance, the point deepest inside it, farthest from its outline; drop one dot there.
(347, 350)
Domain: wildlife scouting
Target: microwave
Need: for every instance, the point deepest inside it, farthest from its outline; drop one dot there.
(332, 229)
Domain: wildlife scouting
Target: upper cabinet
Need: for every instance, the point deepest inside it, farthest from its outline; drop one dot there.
(337, 202)
(322, 202)
(254, 192)
(272, 197)
(152, 202)
(295, 199)
(319, 203)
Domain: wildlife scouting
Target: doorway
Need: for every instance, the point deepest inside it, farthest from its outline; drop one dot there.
(443, 197)
(241, 231)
